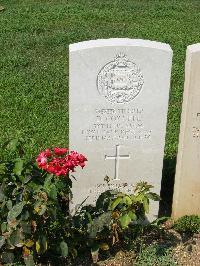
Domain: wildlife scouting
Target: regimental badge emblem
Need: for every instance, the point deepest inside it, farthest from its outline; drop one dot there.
(120, 81)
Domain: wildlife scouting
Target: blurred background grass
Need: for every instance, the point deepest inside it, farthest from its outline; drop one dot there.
(34, 39)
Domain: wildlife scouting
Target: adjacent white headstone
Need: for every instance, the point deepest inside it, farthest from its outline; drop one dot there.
(118, 111)
(186, 199)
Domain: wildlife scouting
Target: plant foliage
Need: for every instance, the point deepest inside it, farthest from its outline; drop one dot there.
(117, 217)
(34, 217)
(188, 224)
(35, 223)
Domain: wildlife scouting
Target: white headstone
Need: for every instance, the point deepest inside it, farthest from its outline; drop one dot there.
(186, 199)
(118, 105)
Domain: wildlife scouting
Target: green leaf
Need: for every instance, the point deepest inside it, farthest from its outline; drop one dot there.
(153, 196)
(12, 145)
(53, 192)
(29, 261)
(16, 238)
(29, 243)
(60, 184)
(132, 216)
(133, 198)
(9, 204)
(2, 241)
(7, 257)
(88, 215)
(116, 202)
(127, 200)
(3, 227)
(64, 249)
(146, 204)
(25, 215)
(26, 227)
(21, 178)
(74, 253)
(124, 220)
(42, 244)
(2, 195)
(48, 183)
(37, 246)
(15, 211)
(34, 186)
(18, 167)
(104, 200)
(142, 187)
(140, 197)
(2, 168)
(98, 224)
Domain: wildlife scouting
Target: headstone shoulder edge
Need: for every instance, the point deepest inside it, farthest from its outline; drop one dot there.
(193, 48)
(119, 42)
(191, 52)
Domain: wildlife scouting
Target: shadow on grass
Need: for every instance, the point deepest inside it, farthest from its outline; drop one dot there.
(167, 187)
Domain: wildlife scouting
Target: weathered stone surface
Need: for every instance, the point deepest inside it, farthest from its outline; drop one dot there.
(118, 110)
(186, 197)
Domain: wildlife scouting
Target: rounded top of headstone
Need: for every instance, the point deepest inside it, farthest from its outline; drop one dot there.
(194, 48)
(119, 42)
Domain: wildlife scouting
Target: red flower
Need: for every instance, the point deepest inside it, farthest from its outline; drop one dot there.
(57, 164)
(60, 151)
(42, 160)
(47, 153)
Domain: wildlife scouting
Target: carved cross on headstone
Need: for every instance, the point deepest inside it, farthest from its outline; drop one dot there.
(117, 157)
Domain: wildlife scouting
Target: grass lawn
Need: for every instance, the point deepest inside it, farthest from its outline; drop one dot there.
(34, 39)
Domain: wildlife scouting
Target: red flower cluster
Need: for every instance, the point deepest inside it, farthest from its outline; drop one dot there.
(60, 161)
